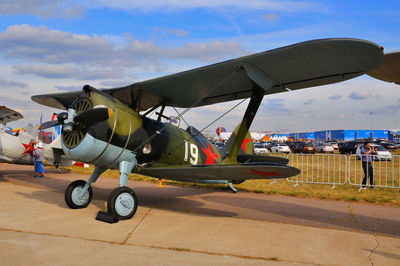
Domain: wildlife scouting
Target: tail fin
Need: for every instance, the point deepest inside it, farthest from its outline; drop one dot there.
(245, 148)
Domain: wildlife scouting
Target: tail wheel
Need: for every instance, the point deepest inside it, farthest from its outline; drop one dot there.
(122, 203)
(73, 138)
(73, 196)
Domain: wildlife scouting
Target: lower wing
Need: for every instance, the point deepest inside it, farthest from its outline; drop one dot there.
(234, 172)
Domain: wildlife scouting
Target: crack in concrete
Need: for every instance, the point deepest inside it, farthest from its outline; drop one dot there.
(365, 228)
(374, 250)
(133, 230)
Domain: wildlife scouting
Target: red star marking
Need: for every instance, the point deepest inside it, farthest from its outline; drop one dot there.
(30, 150)
(210, 155)
(264, 174)
(244, 143)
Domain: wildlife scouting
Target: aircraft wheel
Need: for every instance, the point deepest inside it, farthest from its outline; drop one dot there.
(72, 195)
(122, 203)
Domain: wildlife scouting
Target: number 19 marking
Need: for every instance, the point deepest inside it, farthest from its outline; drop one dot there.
(194, 153)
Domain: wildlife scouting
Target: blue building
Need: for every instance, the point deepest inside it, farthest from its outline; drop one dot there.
(394, 134)
(303, 135)
(342, 135)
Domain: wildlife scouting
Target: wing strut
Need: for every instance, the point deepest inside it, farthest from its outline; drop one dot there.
(261, 83)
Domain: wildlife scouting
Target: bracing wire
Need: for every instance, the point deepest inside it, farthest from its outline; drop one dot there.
(158, 132)
(207, 126)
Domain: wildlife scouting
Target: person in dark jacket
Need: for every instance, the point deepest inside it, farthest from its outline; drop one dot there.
(366, 159)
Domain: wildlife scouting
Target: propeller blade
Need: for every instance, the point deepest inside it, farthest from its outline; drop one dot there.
(94, 116)
(49, 124)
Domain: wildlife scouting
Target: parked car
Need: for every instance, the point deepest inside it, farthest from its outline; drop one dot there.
(260, 149)
(389, 146)
(280, 148)
(293, 144)
(324, 147)
(349, 147)
(219, 145)
(382, 153)
(304, 147)
(340, 145)
(334, 145)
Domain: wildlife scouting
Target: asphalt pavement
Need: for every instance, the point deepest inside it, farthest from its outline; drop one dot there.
(186, 225)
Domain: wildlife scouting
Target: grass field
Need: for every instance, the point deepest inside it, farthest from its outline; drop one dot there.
(347, 192)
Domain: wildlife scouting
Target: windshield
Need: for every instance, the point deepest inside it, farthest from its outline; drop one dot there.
(380, 148)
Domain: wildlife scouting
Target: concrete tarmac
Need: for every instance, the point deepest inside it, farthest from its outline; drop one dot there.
(176, 226)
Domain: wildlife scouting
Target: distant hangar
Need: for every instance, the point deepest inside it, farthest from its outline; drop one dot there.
(345, 134)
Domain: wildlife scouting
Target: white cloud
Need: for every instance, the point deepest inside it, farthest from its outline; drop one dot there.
(389, 110)
(309, 102)
(75, 11)
(360, 95)
(53, 71)
(40, 44)
(41, 8)
(201, 51)
(274, 106)
(335, 97)
(162, 32)
(7, 84)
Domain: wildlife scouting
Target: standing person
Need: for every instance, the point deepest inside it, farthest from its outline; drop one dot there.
(38, 157)
(366, 159)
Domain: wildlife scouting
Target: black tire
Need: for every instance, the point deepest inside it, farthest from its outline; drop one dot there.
(113, 206)
(73, 204)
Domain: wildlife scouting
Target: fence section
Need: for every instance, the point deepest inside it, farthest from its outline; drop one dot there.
(329, 169)
(386, 170)
(335, 169)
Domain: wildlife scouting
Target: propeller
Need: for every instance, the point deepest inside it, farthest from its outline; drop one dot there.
(60, 120)
(90, 117)
(94, 116)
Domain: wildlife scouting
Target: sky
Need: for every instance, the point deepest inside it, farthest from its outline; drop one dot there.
(50, 46)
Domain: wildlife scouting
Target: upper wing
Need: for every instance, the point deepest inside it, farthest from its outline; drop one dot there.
(297, 66)
(8, 115)
(236, 172)
(389, 69)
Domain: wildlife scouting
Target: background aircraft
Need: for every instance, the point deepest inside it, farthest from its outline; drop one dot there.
(12, 144)
(110, 128)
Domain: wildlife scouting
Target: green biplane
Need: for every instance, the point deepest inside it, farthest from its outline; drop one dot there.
(110, 128)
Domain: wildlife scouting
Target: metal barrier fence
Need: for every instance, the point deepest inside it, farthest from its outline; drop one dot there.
(386, 171)
(329, 169)
(336, 169)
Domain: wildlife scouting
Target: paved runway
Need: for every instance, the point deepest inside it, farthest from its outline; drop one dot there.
(176, 225)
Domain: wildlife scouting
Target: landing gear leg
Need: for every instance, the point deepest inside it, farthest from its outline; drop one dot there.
(79, 193)
(230, 185)
(59, 169)
(123, 202)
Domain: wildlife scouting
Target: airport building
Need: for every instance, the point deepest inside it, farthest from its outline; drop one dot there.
(345, 135)
(326, 135)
